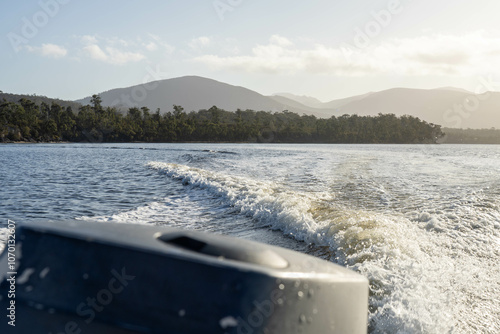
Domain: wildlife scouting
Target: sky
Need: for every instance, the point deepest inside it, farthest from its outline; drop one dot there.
(71, 49)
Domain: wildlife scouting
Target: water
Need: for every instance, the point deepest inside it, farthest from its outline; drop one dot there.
(421, 222)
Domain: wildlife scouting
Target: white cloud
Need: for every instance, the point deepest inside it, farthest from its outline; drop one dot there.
(151, 46)
(120, 57)
(49, 50)
(155, 43)
(435, 54)
(121, 42)
(279, 56)
(199, 42)
(113, 50)
(280, 40)
(154, 37)
(112, 55)
(52, 50)
(88, 40)
(95, 52)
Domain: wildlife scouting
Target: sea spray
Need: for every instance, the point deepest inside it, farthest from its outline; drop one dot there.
(386, 250)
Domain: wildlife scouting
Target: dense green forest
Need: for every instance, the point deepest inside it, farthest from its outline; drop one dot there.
(26, 120)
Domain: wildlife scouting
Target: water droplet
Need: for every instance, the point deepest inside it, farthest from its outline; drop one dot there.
(282, 286)
(44, 272)
(302, 319)
(182, 313)
(228, 321)
(300, 294)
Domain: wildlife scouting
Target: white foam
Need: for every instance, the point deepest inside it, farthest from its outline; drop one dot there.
(266, 202)
(421, 271)
(4, 234)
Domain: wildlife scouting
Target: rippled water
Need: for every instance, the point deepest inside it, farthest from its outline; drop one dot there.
(422, 222)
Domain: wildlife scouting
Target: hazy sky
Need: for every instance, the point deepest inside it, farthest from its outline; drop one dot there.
(327, 49)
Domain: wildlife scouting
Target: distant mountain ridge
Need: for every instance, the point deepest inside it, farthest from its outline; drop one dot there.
(304, 100)
(39, 99)
(448, 106)
(455, 89)
(194, 93)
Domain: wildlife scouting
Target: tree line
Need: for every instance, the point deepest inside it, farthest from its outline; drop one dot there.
(26, 120)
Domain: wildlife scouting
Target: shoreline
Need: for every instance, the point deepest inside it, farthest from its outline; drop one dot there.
(229, 142)
(36, 142)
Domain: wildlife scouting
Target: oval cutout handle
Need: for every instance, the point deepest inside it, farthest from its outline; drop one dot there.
(225, 249)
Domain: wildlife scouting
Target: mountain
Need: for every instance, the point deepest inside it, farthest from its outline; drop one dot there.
(448, 106)
(194, 93)
(315, 103)
(304, 100)
(293, 104)
(455, 89)
(335, 104)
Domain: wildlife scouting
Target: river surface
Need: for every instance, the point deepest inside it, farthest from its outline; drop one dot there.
(421, 222)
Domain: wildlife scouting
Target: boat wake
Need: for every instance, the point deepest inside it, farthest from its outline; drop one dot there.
(415, 285)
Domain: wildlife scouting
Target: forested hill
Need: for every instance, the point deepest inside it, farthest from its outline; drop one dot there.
(27, 121)
(37, 99)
